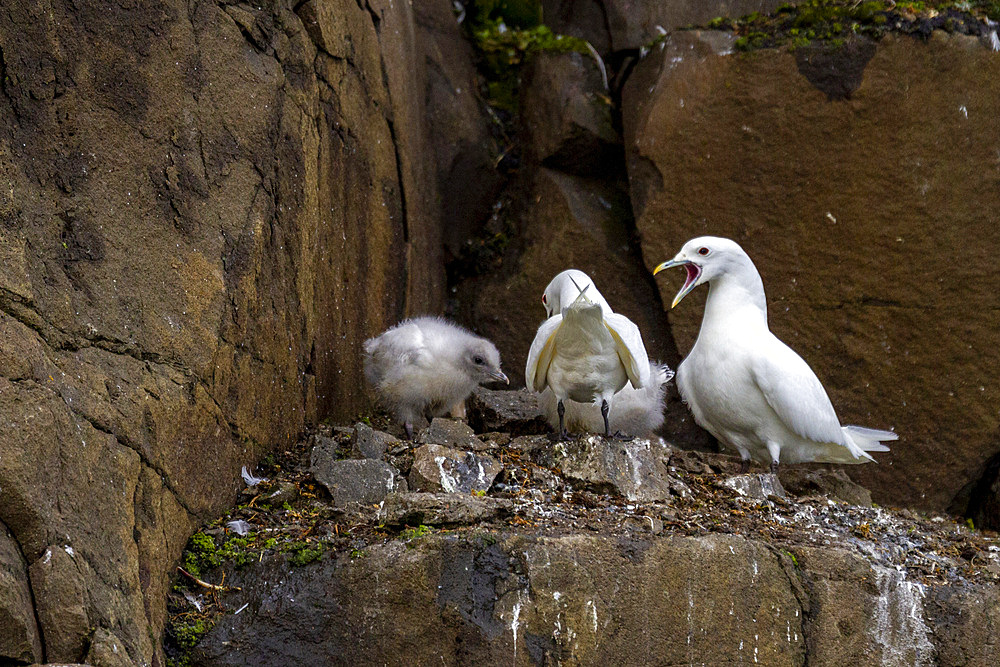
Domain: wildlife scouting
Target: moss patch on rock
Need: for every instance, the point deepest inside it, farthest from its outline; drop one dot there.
(836, 21)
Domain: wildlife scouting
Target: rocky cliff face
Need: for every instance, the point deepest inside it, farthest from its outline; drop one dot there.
(585, 552)
(205, 208)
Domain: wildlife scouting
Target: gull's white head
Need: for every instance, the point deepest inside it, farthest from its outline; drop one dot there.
(566, 288)
(706, 258)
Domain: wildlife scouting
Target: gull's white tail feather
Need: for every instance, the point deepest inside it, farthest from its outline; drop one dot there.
(869, 439)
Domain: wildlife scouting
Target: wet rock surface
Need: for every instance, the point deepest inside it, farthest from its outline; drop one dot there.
(532, 568)
(437, 468)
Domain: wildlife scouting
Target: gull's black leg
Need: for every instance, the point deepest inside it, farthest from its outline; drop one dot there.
(744, 467)
(605, 409)
(561, 409)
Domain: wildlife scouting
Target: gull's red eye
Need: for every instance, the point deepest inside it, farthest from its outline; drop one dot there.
(544, 300)
(703, 251)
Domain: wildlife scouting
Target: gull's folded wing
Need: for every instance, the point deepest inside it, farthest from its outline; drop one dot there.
(540, 354)
(631, 351)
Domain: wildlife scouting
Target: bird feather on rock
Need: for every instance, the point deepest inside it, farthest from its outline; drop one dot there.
(746, 387)
(427, 367)
(584, 351)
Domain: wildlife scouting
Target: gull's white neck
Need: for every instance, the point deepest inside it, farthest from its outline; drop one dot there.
(737, 294)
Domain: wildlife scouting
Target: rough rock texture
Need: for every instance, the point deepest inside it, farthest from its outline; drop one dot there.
(436, 468)
(635, 470)
(198, 201)
(843, 205)
(441, 509)
(515, 412)
(19, 640)
(527, 600)
(364, 481)
(371, 444)
(451, 433)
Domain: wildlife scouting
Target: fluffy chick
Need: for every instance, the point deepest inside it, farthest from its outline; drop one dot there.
(427, 367)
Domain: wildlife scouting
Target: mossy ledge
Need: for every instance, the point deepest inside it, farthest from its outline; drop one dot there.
(836, 21)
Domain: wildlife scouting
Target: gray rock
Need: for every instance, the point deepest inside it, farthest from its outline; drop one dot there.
(364, 481)
(760, 486)
(451, 433)
(371, 444)
(514, 412)
(441, 509)
(832, 483)
(636, 469)
(107, 650)
(436, 468)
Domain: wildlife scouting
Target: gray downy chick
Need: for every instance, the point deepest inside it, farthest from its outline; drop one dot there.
(427, 367)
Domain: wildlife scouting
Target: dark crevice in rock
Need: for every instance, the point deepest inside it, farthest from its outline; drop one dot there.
(4, 528)
(835, 70)
(980, 499)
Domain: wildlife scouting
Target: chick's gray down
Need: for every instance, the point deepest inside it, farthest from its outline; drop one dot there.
(427, 367)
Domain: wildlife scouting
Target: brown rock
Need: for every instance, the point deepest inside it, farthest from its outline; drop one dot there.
(19, 641)
(441, 509)
(59, 586)
(842, 206)
(513, 412)
(566, 115)
(833, 483)
(207, 208)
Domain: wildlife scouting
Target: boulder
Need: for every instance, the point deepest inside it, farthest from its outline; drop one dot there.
(364, 481)
(436, 468)
(513, 412)
(371, 444)
(831, 482)
(842, 205)
(755, 486)
(635, 470)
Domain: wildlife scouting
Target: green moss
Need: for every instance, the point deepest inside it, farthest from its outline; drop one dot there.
(834, 21)
(303, 553)
(414, 533)
(200, 554)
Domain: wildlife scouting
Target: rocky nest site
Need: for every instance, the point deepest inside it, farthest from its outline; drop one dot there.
(346, 491)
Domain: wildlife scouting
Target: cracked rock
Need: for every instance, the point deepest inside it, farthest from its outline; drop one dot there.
(436, 468)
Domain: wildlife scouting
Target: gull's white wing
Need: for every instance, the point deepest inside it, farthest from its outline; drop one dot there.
(540, 354)
(794, 392)
(631, 351)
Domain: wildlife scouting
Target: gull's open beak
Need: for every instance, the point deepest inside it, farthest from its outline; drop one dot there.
(693, 273)
(498, 375)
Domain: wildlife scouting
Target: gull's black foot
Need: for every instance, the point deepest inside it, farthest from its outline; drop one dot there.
(744, 467)
(621, 437)
(774, 468)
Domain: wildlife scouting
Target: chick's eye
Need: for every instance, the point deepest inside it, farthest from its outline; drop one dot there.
(703, 251)
(544, 300)
(478, 360)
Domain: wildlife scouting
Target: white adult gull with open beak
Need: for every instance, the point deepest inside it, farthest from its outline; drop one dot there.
(584, 351)
(746, 387)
